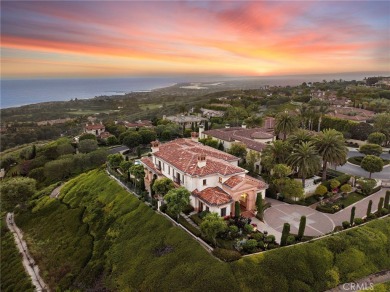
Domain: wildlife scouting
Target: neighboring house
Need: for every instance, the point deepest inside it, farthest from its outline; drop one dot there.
(208, 113)
(352, 114)
(95, 129)
(185, 121)
(212, 176)
(255, 139)
(138, 124)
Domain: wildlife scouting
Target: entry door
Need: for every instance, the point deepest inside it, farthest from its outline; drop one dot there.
(200, 206)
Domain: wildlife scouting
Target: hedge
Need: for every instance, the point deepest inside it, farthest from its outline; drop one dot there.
(325, 209)
(195, 231)
(227, 255)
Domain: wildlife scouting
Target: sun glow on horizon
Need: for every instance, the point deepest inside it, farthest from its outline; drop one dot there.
(65, 39)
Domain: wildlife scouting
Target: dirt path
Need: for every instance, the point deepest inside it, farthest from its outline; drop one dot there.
(28, 262)
(55, 193)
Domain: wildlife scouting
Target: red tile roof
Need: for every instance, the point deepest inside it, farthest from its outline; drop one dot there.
(213, 196)
(147, 161)
(236, 180)
(245, 136)
(94, 127)
(183, 154)
(233, 181)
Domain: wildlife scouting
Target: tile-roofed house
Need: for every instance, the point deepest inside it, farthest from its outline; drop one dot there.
(95, 129)
(352, 114)
(204, 171)
(138, 124)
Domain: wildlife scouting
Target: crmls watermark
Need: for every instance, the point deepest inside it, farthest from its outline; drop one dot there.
(358, 286)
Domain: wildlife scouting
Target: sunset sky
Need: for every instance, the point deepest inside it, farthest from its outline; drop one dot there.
(154, 38)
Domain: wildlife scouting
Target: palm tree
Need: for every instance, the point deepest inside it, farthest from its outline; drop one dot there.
(305, 160)
(300, 136)
(321, 110)
(275, 153)
(330, 145)
(285, 124)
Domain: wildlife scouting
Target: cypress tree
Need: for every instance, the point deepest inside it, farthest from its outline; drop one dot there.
(369, 208)
(285, 233)
(380, 206)
(302, 226)
(352, 215)
(387, 199)
(33, 152)
(259, 205)
(139, 152)
(237, 209)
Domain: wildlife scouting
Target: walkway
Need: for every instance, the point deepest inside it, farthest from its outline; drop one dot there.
(28, 262)
(317, 223)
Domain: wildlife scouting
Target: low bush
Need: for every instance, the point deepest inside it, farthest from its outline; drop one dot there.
(358, 221)
(290, 239)
(197, 220)
(338, 228)
(188, 209)
(250, 245)
(163, 208)
(325, 209)
(384, 212)
(226, 255)
(346, 224)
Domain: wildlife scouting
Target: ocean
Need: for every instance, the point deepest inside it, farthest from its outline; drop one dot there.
(29, 91)
(23, 91)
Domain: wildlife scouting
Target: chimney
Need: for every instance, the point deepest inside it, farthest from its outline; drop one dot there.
(243, 125)
(194, 136)
(201, 130)
(227, 126)
(155, 146)
(201, 160)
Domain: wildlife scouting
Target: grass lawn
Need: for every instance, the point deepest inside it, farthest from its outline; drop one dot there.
(150, 106)
(351, 198)
(97, 236)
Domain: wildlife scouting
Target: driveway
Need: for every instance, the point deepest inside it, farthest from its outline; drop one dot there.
(317, 223)
(117, 149)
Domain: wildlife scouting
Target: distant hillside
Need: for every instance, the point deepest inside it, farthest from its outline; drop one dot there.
(99, 237)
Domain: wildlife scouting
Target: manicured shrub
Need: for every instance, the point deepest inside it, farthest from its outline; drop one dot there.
(290, 239)
(343, 179)
(258, 236)
(233, 231)
(387, 200)
(285, 233)
(358, 221)
(321, 190)
(188, 209)
(248, 228)
(352, 215)
(338, 228)
(325, 209)
(346, 188)
(334, 183)
(250, 245)
(197, 220)
(226, 255)
(302, 225)
(384, 212)
(237, 209)
(380, 205)
(346, 224)
(270, 239)
(369, 209)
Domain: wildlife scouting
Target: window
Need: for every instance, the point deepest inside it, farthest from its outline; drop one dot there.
(164, 166)
(223, 212)
(207, 209)
(169, 169)
(204, 182)
(220, 179)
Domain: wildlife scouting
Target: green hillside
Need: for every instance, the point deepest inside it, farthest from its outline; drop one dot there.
(99, 236)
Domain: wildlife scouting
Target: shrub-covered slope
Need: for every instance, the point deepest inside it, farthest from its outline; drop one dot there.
(98, 236)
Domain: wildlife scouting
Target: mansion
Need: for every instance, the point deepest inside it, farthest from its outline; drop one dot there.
(213, 177)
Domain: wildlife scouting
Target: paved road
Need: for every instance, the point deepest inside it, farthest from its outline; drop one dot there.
(28, 262)
(118, 149)
(317, 223)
